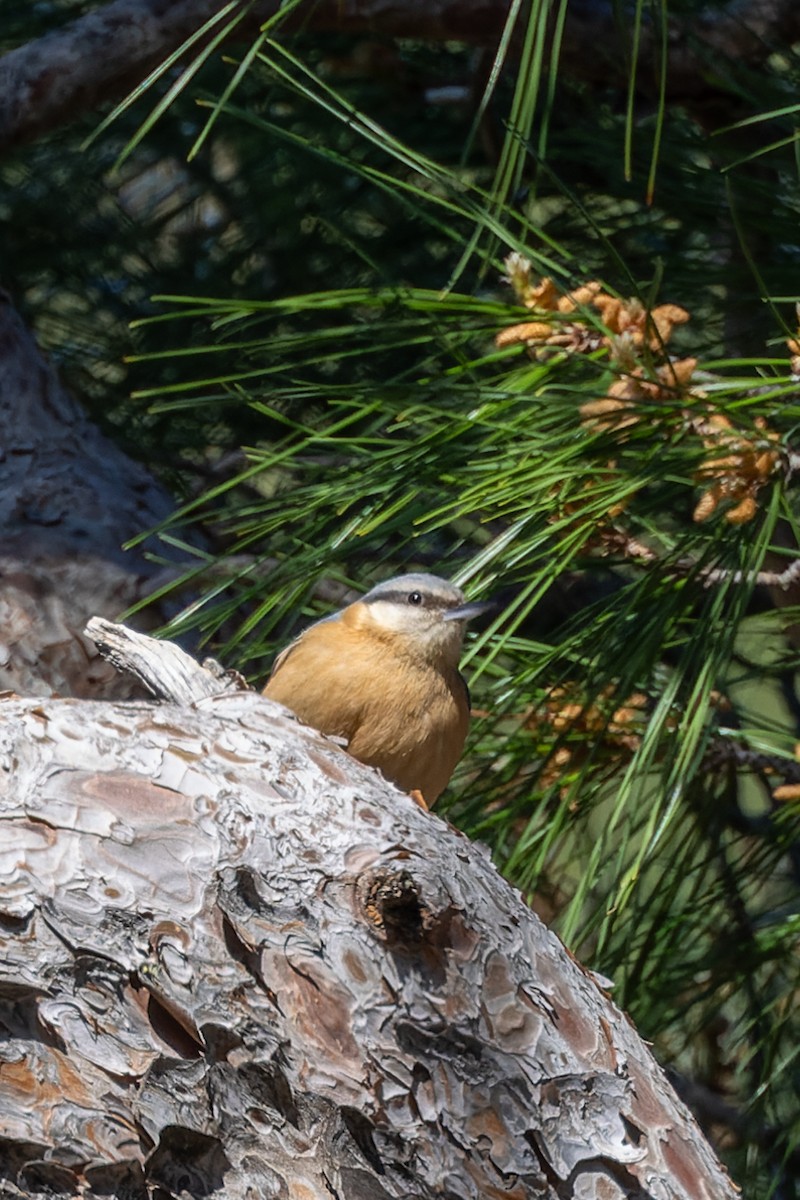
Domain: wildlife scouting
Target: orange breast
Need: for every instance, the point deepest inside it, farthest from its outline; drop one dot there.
(406, 718)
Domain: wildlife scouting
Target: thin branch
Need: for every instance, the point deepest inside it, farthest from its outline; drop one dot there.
(728, 750)
(631, 548)
(779, 579)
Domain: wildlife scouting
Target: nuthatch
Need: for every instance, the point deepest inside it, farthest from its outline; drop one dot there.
(383, 674)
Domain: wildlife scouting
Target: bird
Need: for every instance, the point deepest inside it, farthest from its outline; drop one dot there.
(383, 675)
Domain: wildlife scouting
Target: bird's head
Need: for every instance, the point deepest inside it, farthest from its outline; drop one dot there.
(424, 616)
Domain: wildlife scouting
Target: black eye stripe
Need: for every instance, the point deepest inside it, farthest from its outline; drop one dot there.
(404, 598)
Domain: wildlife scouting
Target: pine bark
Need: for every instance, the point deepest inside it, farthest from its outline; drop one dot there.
(69, 500)
(235, 962)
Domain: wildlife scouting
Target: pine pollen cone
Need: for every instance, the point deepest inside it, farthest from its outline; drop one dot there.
(737, 474)
(628, 319)
(633, 389)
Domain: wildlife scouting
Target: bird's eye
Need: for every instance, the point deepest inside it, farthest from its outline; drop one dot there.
(415, 597)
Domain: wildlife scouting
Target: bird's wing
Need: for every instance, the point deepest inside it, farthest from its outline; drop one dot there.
(282, 657)
(287, 650)
(467, 692)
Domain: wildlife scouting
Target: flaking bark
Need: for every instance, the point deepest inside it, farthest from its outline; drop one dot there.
(235, 962)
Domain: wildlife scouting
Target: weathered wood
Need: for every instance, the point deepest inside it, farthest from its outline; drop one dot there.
(167, 672)
(236, 962)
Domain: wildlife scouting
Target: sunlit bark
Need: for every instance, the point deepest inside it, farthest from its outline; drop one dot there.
(235, 962)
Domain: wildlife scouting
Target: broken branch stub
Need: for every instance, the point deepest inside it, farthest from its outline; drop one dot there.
(168, 672)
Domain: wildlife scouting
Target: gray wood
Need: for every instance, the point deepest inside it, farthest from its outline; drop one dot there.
(235, 962)
(69, 500)
(167, 671)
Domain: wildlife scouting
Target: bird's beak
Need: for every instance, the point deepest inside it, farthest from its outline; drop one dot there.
(465, 612)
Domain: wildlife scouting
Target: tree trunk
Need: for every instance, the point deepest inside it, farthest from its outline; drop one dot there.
(236, 962)
(69, 500)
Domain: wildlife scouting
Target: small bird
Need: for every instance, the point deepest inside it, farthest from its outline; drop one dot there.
(383, 674)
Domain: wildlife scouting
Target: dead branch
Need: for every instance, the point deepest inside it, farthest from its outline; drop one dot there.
(109, 50)
(167, 672)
